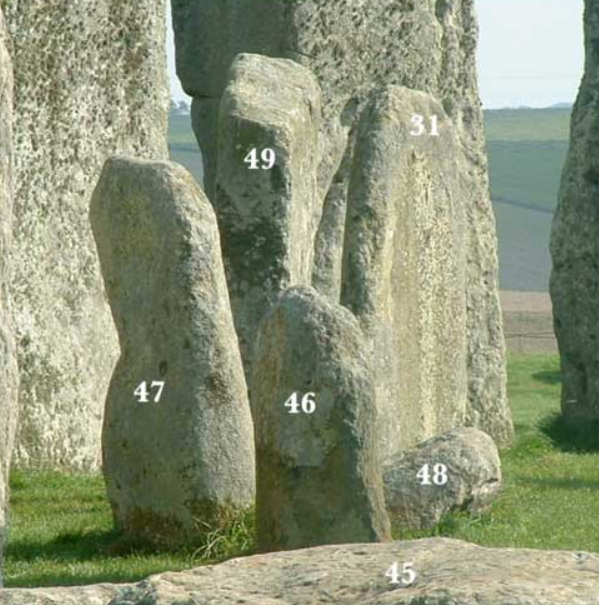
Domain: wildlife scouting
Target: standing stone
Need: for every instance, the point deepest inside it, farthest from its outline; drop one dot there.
(8, 368)
(318, 474)
(404, 266)
(184, 463)
(268, 217)
(90, 81)
(353, 51)
(575, 245)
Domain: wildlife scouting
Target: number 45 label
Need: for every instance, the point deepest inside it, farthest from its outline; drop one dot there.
(406, 576)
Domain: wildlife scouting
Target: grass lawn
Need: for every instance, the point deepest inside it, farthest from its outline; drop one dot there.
(62, 532)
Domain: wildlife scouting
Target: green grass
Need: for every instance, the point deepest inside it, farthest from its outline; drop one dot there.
(62, 535)
(528, 124)
(551, 480)
(62, 531)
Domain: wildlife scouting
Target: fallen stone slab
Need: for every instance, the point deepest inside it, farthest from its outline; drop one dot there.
(457, 471)
(99, 594)
(447, 572)
(178, 449)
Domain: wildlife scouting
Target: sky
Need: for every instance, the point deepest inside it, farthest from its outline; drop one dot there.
(530, 52)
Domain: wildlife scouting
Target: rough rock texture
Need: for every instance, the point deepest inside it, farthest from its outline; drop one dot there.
(449, 572)
(426, 45)
(473, 478)
(404, 266)
(318, 473)
(90, 81)
(268, 218)
(575, 245)
(9, 380)
(176, 466)
(99, 594)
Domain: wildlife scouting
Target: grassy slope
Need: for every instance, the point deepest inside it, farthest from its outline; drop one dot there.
(62, 531)
(527, 149)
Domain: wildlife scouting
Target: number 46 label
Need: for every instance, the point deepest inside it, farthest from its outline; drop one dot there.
(405, 576)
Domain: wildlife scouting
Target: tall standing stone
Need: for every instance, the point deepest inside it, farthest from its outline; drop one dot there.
(354, 50)
(575, 245)
(268, 216)
(8, 367)
(404, 266)
(318, 474)
(182, 461)
(90, 81)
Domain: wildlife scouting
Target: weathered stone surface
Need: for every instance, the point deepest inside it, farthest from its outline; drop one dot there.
(353, 49)
(575, 246)
(404, 265)
(90, 81)
(99, 594)
(186, 462)
(449, 572)
(318, 473)
(268, 218)
(471, 483)
(9, 380)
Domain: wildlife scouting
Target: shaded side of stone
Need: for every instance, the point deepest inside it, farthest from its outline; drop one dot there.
(9, 379)
(268, 217)
(182, 463)
(404, 265)
(90, 81)
(575, 246)
(318, 473)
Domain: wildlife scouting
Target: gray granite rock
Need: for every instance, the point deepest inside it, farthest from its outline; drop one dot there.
(182, 461)
(318, 471)
(99, 594)
(575, 246)
(353, 49)
(404, 271)
(268, 218)
(90, 81)
(457, 471)
(448, 572)
(9, 380)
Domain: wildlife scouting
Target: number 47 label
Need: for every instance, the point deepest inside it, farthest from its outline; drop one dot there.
(405, 576)
(142, 392)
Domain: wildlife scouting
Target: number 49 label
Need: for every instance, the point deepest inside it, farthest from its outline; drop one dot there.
(405, 576)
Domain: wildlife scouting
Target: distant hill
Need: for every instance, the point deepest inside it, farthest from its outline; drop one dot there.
(526, 147)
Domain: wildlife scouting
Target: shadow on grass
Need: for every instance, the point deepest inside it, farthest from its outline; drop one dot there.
(551, 377)
(583, 439)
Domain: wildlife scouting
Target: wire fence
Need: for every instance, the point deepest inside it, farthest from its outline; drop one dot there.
(525, 341)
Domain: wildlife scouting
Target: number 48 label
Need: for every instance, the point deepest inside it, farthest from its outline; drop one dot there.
(439, 476)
